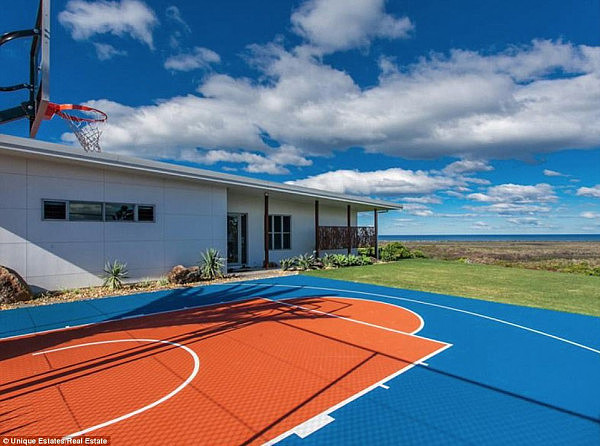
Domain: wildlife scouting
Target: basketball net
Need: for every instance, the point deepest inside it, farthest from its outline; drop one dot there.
(86, 123)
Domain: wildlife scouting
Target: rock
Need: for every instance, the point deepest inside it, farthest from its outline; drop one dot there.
(180, 275)
(12, 287)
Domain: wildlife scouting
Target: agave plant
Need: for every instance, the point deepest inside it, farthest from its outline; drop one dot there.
(211, 264)
(114, 274)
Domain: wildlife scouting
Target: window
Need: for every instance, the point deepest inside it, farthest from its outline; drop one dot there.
(96, 211)
(85, 211)
(55, 210)
(145, 213)
(280, 232)
(119, 212)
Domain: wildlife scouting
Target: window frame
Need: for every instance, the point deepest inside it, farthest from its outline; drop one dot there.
(271, 232)
(65, 202)
(133, 205)
(67, 218)
(137, 215)
(85, 202)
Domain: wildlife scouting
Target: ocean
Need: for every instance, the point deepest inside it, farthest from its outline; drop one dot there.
(494, 238)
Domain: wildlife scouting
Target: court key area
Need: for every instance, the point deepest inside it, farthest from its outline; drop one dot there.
(299, 360)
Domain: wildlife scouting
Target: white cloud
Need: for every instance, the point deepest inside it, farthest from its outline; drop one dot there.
(514, 199)
(199, 58)
(126, 17)
(334, 25)
(105, 51)
(274, 163)
(553, 173)
(174, 14)
(465, 105)
(427, 199)
(418, 210)
(504, 209)
(590, 214)
(516, 194)
(480, 225)
(467, 166)
(593, 192)
(394, 181)
(525, 221)
(590, 228)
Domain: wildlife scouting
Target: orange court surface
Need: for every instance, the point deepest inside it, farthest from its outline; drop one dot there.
(247, 372)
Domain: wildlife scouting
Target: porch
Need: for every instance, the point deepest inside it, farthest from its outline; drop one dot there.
(265, 227)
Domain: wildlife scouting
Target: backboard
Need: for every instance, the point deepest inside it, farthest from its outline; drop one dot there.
(40, 68)
(37, 85)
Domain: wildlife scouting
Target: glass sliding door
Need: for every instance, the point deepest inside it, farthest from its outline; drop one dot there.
(236, 239)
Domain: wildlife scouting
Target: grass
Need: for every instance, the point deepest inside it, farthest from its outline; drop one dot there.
(574, 293)
(566, 257)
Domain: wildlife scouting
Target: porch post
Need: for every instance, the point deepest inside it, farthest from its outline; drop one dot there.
(266, 231)
(348, 229)
(375, 224)
(317, 239)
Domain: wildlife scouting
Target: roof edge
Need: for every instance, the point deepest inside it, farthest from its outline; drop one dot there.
(59, 151)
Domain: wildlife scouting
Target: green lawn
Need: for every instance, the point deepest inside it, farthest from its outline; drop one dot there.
(574, 293)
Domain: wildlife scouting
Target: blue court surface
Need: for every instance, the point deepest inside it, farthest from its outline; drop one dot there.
(513, 375)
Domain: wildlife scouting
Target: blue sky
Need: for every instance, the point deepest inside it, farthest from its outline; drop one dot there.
(478, 116)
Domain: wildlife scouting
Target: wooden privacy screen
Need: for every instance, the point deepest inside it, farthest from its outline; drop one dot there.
(339, 237)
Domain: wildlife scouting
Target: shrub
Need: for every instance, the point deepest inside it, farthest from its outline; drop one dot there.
(306, 262)
(366, 260)
(340, 260)
(145, 283)
(114, 274)
(343, 260)
(354, 260)
(288, 264)
(211, 264)
(418, 254)
(395, 251)
(328, 261)
(369, 251)
(162, 281)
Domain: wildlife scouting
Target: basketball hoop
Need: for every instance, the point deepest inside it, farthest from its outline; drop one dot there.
(86, 122)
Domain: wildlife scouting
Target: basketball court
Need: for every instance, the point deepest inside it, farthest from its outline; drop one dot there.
(295, 360)
(300, 360)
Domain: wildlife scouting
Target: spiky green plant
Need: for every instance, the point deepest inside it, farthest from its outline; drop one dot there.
(366, 260)
(114, 275)
(328, 261)
(306, 262)
(288, 264)
(340, 260)
(211, 264)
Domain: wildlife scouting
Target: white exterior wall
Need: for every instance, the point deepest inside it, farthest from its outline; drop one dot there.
(189, 218)
(302, 222)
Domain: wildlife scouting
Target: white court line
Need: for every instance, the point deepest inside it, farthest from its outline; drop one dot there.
(314, 424)
(343, 403)
(472, 313)
(421, 321)
(133, 316)
(142, 409)
(383, 386)
(356, 321)
(357, 395)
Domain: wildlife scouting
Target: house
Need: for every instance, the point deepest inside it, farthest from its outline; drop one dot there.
(64, 213)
